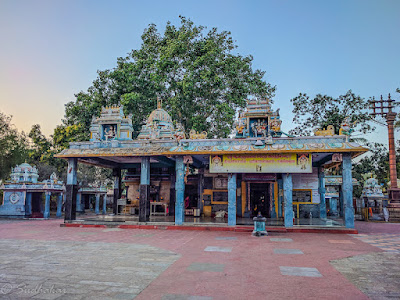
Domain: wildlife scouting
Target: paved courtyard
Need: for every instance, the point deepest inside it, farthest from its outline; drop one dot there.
(41, 260)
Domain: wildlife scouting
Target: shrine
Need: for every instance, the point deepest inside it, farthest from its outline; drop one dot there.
(173, 177)
(23, 194)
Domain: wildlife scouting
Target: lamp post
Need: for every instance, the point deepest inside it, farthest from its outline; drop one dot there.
(384, 108)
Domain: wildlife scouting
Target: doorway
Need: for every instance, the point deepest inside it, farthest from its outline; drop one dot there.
(37, 199)
(260, 197)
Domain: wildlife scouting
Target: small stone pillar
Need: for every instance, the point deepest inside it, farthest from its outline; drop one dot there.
(259, 225)
(97, 205)
(117, 189)
(46, 214)
(59, 205)
(104, 204)
(79, 202)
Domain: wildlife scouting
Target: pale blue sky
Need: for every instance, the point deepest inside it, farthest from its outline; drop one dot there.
(52, 49)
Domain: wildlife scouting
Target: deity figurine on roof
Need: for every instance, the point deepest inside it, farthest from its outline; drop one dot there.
(258, 120)
(158, 126)
(111, 125)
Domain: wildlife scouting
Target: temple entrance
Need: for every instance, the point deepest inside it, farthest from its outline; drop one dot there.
(260, 198)
(37, 211)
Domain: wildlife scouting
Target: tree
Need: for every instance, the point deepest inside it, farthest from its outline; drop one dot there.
(196, 74)
(323, 110)
(13, 146)
(40, 144)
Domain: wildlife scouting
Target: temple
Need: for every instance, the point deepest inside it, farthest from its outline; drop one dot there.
(171, 176)
(23, 195)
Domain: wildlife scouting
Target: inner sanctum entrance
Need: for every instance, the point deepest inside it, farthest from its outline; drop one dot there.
(260, 198)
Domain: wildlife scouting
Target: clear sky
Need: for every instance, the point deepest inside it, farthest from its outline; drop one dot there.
(51, 50)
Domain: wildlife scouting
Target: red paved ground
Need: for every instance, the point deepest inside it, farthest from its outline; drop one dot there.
(251, 269)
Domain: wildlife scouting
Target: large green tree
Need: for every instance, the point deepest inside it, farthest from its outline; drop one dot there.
(196, 73)
(13, 146)
(322, 111)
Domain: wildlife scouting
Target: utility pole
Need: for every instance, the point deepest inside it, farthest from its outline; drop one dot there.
(384, 108)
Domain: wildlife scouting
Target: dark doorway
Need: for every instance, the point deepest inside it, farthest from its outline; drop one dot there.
(37, 211)
(261, 199)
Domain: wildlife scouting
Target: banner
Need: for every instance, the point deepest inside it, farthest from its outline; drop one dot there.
(261, 163)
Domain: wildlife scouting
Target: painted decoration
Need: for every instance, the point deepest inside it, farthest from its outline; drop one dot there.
(261, 163)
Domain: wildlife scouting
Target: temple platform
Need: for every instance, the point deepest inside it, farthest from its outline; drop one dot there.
(207, 223)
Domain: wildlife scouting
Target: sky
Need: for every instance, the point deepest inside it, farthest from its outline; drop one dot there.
(51, 50)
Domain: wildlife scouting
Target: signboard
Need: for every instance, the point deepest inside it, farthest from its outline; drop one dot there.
(261, 163)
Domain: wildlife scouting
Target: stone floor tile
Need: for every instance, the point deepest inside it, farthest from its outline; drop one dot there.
(280, 240)
(228, 238)
(206, 267)
(300, 271)
(340, 242)
(217, 249)
(288, 251)
(184, 297)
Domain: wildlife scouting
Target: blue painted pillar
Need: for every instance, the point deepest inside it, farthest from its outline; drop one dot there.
(321, 190)
(79, 202)
(71, 190)
(333, 206)
(46, 214)
(273, 209)
(104, 204)
(347, 190)
(179, 191)
(231, 199)
(341, 202)
(59, 205)
(287, 199)
(28, 204)
(280, 197)
(97, 205)
(144, 190)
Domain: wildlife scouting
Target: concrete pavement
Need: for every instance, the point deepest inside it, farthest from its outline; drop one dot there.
(41, 260)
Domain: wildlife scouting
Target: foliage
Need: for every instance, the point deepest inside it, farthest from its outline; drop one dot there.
(196, 74)
(13, 146)
(323, 110)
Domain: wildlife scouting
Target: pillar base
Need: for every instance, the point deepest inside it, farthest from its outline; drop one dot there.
(144, 204)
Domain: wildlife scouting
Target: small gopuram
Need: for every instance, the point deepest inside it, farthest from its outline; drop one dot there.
(372, 195)
(258, 170)
(23, 194)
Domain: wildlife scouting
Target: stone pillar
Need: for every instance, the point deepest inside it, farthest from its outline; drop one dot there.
(117, 189)
(179, 191)
(172, 195)
(144, 190)
(341, 202)
(232, 199)
(79, 202)
(321, 190)
(46, 213)
(280, 197)
(59, 205)
(347, 188)
(97, 205)
(104, 204)
(272, 200)
(287, 199)
(71, 190)
(28, 204)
